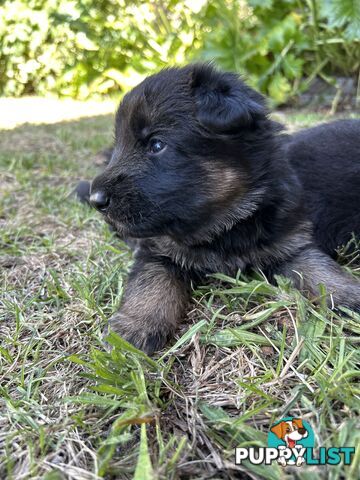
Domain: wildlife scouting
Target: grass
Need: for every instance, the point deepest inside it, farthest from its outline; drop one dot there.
(248, 353)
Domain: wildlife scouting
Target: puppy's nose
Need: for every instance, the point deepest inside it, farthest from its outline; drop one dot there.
(100, 200)
(302, 431)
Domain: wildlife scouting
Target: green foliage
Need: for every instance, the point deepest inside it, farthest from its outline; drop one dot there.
(80, 48)
(282, 44)
(339, 13)
(127, 380)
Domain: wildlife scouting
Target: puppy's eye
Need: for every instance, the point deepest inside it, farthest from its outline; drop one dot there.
(156, 145)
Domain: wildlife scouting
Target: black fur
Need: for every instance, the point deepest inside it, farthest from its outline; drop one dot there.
(228, 191)
(327, 161)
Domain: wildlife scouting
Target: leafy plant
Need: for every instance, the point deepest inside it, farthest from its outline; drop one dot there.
(281, 45)
(85, 48)
(81, 48)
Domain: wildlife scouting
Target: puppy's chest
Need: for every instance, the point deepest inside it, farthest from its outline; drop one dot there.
(205, 259)
(228, 259)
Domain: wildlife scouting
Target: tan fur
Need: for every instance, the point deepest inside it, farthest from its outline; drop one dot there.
(154, 301)
(311, 267)
(224, 183)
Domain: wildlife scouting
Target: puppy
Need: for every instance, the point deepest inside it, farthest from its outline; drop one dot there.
(202, 181)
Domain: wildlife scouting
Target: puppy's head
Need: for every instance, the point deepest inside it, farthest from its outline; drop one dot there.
(186, 146)
(290, 431)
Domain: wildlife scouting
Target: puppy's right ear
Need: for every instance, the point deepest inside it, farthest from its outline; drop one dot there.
(224, 104)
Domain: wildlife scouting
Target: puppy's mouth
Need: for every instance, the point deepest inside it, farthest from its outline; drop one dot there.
(120, 226)
(121, 216)
(138, 226)
(291, 443)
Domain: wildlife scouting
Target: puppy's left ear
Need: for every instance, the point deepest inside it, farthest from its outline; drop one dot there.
(278, 430)
(298, 422)
(224, 104)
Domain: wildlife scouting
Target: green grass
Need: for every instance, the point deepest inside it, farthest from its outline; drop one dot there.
(248, 353)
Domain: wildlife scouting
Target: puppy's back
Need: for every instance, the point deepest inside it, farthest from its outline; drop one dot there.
(327, 161)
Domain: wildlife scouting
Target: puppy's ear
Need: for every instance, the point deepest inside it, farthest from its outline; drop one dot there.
(278, 430)
(298, 422)
(224, 104)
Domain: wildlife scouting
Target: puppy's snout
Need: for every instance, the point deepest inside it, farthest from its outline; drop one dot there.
(100, 200)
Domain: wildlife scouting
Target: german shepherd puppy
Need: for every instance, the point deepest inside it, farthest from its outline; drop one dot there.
(202, 181)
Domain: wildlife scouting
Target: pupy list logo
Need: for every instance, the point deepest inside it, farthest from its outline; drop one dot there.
(291, 441)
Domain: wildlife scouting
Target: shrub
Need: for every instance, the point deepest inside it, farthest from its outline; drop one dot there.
(282, 45)
(84, 47)
(81, 48)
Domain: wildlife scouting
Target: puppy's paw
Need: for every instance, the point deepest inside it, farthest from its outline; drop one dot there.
(300, 461)
(144, 335)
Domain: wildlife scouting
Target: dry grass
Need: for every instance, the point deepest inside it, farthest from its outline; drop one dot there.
(248, 353)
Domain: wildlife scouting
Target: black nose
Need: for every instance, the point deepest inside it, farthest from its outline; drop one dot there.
(99, 200)
(302, 431)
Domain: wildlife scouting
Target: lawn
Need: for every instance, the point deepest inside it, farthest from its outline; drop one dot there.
(247, 354)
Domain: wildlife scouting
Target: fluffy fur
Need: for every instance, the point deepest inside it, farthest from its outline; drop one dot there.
(327, 161)
(201, 180)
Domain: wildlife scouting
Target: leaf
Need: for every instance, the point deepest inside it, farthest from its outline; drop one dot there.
(313, 327)
(292, 66)
(116, 341)
(279, 88)
(251, 288)
(236, 434)
(215, 415)
(262, 4)
(76, 359)
(343, 14)
(144, 470)
(186, 337)
(53, 475)
(235, 336)
(97, 400)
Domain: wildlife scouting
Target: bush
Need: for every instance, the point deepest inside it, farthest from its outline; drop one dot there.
(282, 45)
(81, 48)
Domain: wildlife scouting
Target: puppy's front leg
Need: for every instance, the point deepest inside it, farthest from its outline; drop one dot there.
(311, 267)
(155, 300)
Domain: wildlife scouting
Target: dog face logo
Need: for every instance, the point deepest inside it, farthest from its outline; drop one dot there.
(291, 436)
(290, 431)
